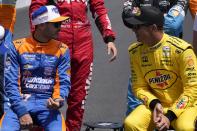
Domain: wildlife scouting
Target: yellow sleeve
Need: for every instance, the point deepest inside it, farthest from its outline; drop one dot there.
(188, 74)
(139, 85)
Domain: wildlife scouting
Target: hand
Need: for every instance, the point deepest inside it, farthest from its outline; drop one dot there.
(26, 121)
(157, 112)
(111, 47)
(163, 124)
(54, 104)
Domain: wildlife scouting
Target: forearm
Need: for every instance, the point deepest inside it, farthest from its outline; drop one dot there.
(103, 23)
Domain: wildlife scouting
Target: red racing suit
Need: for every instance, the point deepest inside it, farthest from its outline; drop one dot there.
(76, 33)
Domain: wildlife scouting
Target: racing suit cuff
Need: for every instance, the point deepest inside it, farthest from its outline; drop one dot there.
(170, 115)
(109, 39)
(153, 103)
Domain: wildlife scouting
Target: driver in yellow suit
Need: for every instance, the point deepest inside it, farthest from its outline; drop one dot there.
(163, 75)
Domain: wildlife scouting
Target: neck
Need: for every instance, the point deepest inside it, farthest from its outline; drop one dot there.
(156, 38)
(40, 38)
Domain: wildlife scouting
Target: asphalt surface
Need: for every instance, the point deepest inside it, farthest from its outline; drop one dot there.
(107, 96)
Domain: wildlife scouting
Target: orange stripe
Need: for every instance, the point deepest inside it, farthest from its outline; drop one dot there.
(28, 45)
(63, 123)
(1, 121)
(56, 91)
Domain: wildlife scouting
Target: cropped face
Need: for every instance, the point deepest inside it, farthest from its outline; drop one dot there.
(142, 32)
(52, 29)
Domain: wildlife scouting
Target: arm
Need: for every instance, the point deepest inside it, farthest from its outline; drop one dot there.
(62, 84)
(188, 73)
(12, 76)
(103, 23)
(140, 86)
(62, 81)
(99, 13)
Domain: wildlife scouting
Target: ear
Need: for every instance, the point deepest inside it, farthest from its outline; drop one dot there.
(154, 27)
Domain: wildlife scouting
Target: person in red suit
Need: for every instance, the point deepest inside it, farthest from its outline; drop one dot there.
(76, 33)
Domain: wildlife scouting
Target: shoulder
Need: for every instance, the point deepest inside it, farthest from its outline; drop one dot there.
(178, 43)
(62, 46)
(134, 47)
(19, 42)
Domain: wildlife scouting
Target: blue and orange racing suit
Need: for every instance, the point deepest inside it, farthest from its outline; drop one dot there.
(35, 72)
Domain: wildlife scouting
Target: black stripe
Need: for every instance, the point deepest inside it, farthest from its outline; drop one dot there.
(135, 47)
(176, 45)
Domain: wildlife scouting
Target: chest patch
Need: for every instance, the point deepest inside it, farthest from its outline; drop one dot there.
(161, 78)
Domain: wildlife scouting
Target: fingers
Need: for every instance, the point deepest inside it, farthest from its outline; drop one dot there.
(26, 121)
(163, 124)
(27, 126)
(54, 104)
(157, 112)
(114, 54)
(163, 127)
(51, 103)
(112, 48)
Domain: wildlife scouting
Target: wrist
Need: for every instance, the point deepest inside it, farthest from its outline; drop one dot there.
(170, 115)
(109, 39)
(153, 103)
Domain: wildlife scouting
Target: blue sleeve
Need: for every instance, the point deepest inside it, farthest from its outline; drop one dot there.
(11, 82)
(64, 74)
(173, 21)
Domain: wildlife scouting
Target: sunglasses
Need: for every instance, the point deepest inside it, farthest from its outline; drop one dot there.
(56, 24)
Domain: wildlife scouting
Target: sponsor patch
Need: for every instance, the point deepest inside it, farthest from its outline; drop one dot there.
(28, 66)
(182, 103)
(136, 11)
(190, 61)
(144, 99)
(166, 51)
(48, 71)
(161, 79)
(29, 57)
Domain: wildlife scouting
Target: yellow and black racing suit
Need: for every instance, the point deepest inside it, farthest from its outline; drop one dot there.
(165, 73)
